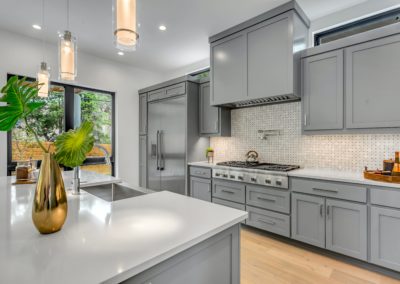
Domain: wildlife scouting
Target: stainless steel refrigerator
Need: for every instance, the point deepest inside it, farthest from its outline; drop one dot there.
(167, 144)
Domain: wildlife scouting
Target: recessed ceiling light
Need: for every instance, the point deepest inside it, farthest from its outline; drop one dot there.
(36, 27)
(120, 53)
(162, 28)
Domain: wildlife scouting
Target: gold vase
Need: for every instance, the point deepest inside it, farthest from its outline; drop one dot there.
(50, 208)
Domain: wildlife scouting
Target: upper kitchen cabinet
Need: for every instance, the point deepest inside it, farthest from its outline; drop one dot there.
(256, 61)
(372, 84)
(143, 114)
(352, 84)
(214, 121)
(322, 77)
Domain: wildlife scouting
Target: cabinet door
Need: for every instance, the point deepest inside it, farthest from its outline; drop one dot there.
(229, 70)
(143, 161)
(373, 84)
(200, 188)
(308, 219)
(143, 114)
(270, 58)
(209, 115)
(346, 228)
(322, 83)
(385, 237)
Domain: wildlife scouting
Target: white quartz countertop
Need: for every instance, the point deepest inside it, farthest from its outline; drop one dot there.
(341, 176)
(102, 242)
(323, 174)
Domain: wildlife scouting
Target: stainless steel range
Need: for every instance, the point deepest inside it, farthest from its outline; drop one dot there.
(254, 172)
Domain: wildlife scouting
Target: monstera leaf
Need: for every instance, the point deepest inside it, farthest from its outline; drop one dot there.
(19, 97)
(72, 146)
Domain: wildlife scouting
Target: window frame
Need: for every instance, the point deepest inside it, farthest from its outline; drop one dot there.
(69, 122)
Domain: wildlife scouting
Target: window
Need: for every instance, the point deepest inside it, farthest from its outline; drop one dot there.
(363, 25)
(66, 106)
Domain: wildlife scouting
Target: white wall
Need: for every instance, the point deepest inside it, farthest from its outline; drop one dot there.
(350, 14)
(22, 55)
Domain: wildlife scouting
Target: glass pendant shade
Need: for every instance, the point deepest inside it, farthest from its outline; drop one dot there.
(125, 31)
(43, 78)
(67, 56)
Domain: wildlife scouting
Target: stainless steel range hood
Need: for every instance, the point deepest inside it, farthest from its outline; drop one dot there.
(264, 101)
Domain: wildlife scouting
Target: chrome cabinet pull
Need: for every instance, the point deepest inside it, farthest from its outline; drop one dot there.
(158, 166)
(305, 120)
(321, 209)
(266, 199)
(161, 154)
(266, 222)
(227, 191)
(326, 190)
(328, 211)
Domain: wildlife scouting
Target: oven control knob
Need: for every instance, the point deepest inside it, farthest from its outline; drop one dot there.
(225, 175)
(268, 181)
(232, 176)
(253, 179)
(278, 183)
(240, 178)
(217, 174)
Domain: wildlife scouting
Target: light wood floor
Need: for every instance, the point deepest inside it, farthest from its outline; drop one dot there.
(265, 260)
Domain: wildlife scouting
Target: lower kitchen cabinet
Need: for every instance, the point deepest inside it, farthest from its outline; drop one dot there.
(308, 219)
(385, 237)
(231, 191)
(270, 221)
(200, 188)
(346, 228)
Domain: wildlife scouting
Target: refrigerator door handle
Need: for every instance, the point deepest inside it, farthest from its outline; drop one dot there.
(161, 154)
(157, 145)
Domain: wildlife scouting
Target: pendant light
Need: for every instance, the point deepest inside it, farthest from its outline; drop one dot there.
(124, 18)
(43, 75)
(67, 49)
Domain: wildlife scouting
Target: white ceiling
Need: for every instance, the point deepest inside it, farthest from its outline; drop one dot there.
(189, 24)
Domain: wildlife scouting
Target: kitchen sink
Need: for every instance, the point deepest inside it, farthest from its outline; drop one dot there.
(112, 192)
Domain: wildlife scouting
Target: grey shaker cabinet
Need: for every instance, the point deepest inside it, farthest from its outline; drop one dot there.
(270, 58)
(214, 121)
(228, 74)
(346, 228)
(385, 237)
(143, 114)
(322, 81)
(372, 84)
(143, 161)
(308, 219)
(200, 188)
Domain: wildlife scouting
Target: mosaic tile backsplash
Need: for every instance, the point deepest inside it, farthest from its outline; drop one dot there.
(340, 152)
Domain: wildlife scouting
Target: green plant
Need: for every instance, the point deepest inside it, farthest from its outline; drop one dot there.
(208, 150)
(22, 102)
(72, 146)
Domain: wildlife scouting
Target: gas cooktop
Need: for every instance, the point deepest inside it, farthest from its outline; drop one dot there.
(259, 166)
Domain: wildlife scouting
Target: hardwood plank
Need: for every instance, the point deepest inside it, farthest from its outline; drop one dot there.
(268, 260)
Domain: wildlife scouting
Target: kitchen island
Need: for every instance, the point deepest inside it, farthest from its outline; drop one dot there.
(154, 238)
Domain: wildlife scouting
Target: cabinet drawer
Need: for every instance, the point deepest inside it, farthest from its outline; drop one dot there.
(385, 197)
(230, 204)
(175, 90)
(269, 221)
(338, 190)
(268, 198)
(200, 172)
(156, 95)
(232, 191)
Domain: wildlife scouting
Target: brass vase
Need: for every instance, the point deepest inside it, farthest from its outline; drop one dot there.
(50, 208)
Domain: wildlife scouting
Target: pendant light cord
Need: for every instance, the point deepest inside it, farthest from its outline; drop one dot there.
(68, 15)
(43, 30)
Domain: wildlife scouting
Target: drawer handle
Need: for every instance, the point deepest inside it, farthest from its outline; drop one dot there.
(266, 222)
(227, 191)
(326, 190)
(266, 199)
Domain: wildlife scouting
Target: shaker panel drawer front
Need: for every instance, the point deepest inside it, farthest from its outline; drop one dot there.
(385, 197)
(156, 95)
(268, 198)
(332, 189)
(269, 221)
(230, 204)
(231, 191)
(176, 90)
(200, 172)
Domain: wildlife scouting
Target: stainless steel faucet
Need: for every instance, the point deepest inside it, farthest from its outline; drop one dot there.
(76, 182)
